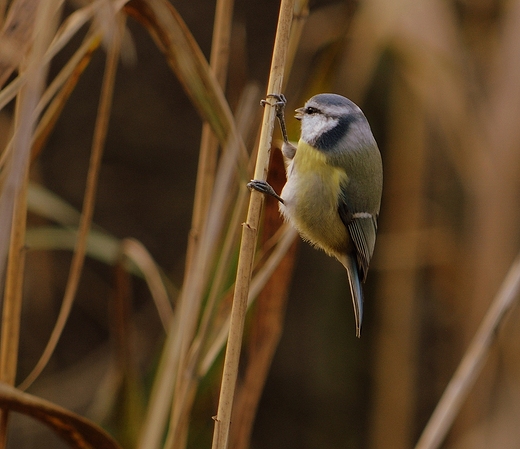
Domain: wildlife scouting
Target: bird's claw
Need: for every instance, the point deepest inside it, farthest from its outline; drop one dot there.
(281, 101)
(279, 105)
(265, 188)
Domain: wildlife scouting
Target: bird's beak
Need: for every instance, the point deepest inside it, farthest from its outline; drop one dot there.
(299, 113)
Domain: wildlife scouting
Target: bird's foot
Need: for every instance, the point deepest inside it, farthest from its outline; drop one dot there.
(279, 104)
(265, 188)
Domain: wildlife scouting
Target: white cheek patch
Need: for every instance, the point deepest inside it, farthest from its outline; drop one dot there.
(313, 126)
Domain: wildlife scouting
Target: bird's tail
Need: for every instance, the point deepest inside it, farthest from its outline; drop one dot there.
(356, 291)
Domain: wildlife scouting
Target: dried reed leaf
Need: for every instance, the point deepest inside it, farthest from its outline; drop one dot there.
(219, 207)
(188, 62)
(249, 234)
(9, 92)
(195, 284)
(16, 35)
(79, 432)
(258, 281)
(139, 255)
(208, 154)
(65, 81)
(197, 279)
(88, 207)
(70, 26)
(473, 361)
(49, 205)
(13, 196)
(100, 245)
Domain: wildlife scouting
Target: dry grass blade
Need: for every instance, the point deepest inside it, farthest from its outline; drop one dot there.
(245, 118)
(472, 362)
(219, 205)
(16, 35)
(108, 249)
(286, 238)
(188, 62)
(35, 72)
(13, 200)
(136, 252)
(100, 246)
(197, 278)
(9, 92)
(46, 204)
(70, 26)
(209, 143)
(79, 432)
(249, 235)
(267, 320)
(88, 205)
(65, 81)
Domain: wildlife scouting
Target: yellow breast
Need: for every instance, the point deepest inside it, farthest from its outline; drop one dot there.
(311, 198)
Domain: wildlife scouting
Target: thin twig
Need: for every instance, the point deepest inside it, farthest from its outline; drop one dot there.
(249, 235)
(472, 362)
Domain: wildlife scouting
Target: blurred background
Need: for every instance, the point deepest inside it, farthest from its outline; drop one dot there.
(439, 83)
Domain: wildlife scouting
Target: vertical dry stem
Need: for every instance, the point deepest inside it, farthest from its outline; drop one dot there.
(249, 234)
(267, 322)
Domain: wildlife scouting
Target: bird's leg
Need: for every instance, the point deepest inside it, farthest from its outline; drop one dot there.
(280, 103)
(265, 188)
(288, 149)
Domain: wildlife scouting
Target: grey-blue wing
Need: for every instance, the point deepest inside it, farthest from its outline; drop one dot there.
(362, 228)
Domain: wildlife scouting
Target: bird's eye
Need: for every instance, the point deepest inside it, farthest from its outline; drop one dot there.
(311, 110)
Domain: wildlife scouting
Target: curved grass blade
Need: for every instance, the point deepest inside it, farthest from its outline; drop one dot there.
(188, 62)
(78, 431)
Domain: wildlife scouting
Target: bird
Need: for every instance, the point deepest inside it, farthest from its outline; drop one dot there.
(333, 191)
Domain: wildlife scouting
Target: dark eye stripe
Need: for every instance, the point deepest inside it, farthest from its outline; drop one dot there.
(328, 140)
(311, 110)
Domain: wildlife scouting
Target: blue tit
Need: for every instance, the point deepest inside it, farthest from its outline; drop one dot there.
(334, 185)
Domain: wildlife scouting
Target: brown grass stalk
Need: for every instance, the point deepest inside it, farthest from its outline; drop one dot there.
(209, 143)
(249, 235)
(12, 304)
(14, 197)
(186, 59)
(267, 322)
(186, 384)
(473, 361)
(98, 143)
(77, 64)
(77, 431)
